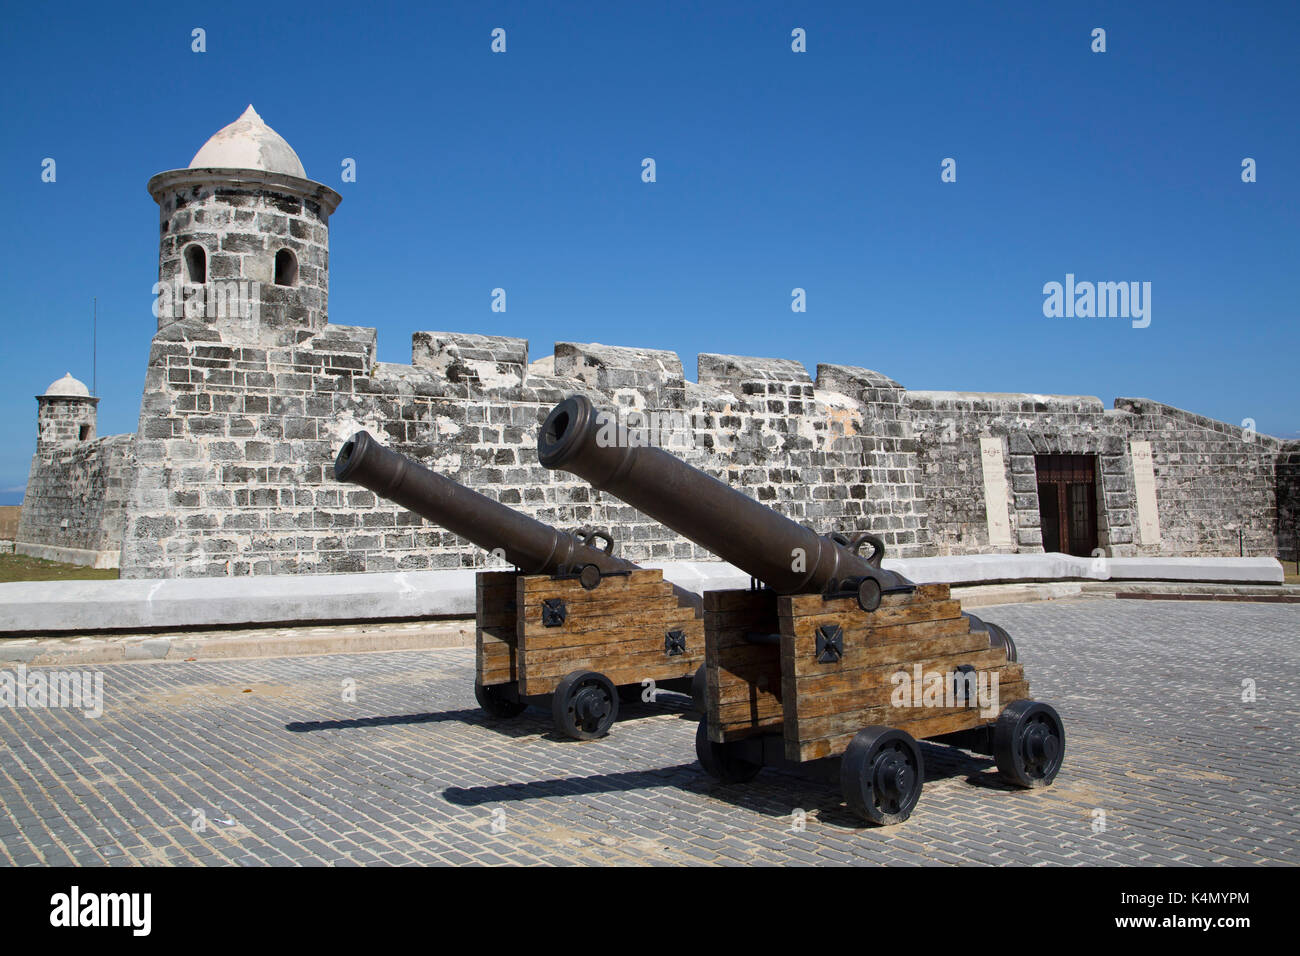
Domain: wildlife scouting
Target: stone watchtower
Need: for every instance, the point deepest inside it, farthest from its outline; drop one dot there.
(244, 238)
(65, 414)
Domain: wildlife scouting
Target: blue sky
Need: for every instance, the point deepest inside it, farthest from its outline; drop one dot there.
(775, 170)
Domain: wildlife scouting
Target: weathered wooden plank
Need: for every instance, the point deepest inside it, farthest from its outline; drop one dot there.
(743, 706)
(673, 668)
(759, 684)
(744, 656)
(601, 611)
(736, 599)
(500, 635)
(544, 585)
(801, 659)
(743, 680)
(744, 685)
(736, 638)
(497, 615)
(625, 654)
(815, 685)
(494, 598)
(762, 709)
(857, 620)
(932, 725)
(801, 717)
(616, 629)
(800, 605)
(742, 619)
(580, 631)
(494, 656)
(906, 718)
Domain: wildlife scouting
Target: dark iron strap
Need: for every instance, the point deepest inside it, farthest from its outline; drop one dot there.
(830, 644)
(553, 612)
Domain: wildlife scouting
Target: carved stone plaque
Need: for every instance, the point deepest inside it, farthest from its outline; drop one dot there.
(996, 497)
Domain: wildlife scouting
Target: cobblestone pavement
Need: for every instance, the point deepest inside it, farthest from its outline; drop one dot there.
(264, 762)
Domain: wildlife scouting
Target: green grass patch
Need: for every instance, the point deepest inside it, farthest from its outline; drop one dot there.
(19, 567)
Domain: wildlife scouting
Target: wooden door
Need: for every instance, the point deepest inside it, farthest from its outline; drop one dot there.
(1067, 502)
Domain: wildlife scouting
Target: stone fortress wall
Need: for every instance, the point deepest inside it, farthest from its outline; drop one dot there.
(230, 470)
(236, 445)
(1220, 490)
(75, 507)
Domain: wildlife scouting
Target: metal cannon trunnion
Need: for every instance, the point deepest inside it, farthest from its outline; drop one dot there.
(573, 627)
(828, 659)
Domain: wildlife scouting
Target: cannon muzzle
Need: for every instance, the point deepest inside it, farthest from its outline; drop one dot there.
(530, 545)
(786, 556)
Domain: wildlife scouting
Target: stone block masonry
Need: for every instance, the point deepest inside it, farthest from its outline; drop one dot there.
(1220, 491)
(75, 507)
(1231, 491)
(236, 444)
(221, 239)
(949, 426)
(230, 471)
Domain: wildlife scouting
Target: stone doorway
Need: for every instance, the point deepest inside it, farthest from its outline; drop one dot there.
(1067, 502)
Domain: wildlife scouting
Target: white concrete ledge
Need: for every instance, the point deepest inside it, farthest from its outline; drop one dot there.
(1228, 570)
(47, 606)
(987, 568)
(79, 556)
(179, 603)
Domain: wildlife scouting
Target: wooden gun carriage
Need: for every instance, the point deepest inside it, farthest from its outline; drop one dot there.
(828, 658)
(573, 627)
(574, 640)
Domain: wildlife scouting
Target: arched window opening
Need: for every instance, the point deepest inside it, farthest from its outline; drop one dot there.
(196, 264)
(286, 268)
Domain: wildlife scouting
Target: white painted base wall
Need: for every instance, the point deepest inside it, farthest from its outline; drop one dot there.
(78, 556)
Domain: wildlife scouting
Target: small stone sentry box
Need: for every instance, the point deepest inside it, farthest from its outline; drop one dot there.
(572, 626)
(803, 666)
(65, 414)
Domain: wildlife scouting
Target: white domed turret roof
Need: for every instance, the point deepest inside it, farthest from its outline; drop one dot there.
(68, 387)
(248, 143)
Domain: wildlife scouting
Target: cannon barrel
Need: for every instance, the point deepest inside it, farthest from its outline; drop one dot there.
(786, 556)
(528, 544)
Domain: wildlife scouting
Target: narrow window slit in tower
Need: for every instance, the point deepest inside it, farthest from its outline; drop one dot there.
(196, 264)
(286, 268)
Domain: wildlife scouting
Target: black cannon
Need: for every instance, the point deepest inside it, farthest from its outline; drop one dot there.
(827, 655)
(573, 625)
